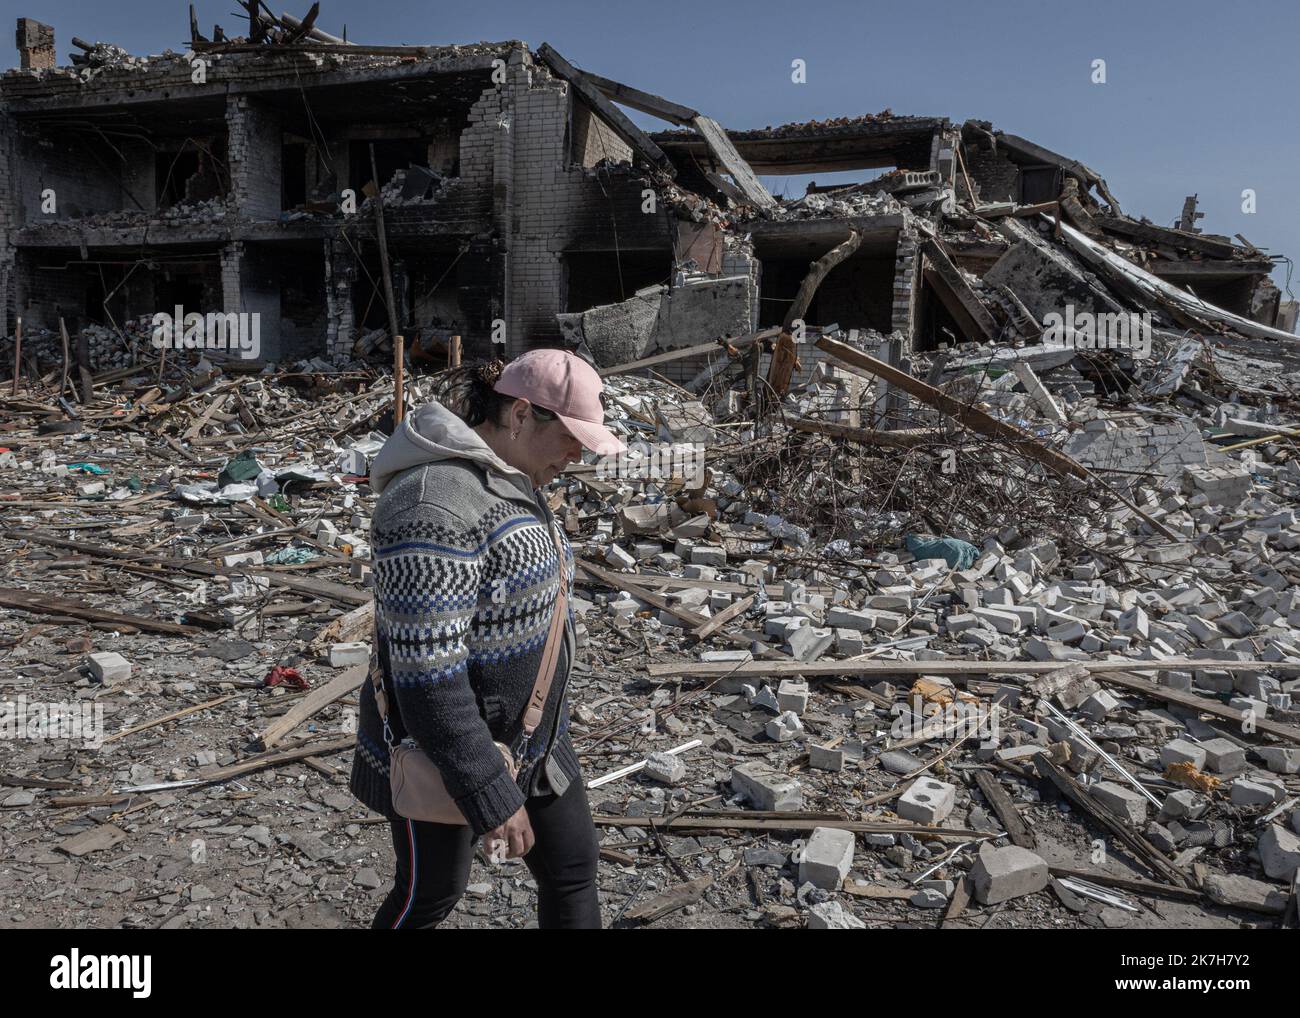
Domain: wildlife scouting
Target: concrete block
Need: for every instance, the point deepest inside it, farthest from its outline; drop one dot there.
(765, 788)
(928, 801)
(708, 555)
(1182, 751)
(1184, 805)
(618, 558)
(831, 915)
(827, 858)
(1252, 793)
(1099, 705)
(1280, 759)
(665, 768)
(849, 642)
(808, 643)
(1000, 874)
(1279, 852)
(792, 694)
(1003, 621)
(785, 727)
(825, 758)
(1122, 800)
(109, 666)
(343, 655)
(928, 897)
(847, 618)
(1222, 756)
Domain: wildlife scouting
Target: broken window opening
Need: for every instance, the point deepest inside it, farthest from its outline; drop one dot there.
(595, 278)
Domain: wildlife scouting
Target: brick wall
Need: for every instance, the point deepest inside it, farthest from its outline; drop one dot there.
(995, 177)
(340, 273)
(907, 266)
(515, 158)
(254, 157)
(594, 140)
(84, 174)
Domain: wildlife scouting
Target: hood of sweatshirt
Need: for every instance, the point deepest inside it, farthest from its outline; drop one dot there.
(434, 433)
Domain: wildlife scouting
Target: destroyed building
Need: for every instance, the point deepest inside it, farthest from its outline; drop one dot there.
(894, 628)
(523, 207)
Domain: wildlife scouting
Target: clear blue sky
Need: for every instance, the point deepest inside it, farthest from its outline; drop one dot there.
(1200, 96)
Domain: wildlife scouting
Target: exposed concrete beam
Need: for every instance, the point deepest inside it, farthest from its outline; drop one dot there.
(299, 73)
(624, 128)
(956, 294)
(645, 102)
(1228, 269)
(730, 160)
(1150, 233)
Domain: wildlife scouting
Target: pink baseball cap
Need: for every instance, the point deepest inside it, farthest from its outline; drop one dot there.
(569, 387)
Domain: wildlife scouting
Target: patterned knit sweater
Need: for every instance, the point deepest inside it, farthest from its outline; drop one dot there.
(466, 579)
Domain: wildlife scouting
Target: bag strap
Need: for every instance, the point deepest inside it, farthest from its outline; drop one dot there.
(551, 652)
(545, 671)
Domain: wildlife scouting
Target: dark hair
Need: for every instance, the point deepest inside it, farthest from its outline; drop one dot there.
(467, 392)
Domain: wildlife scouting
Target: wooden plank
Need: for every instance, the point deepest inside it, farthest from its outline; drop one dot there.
(94, 840)
(986, 424)
(692, 619)
(1002, 805)
(1200, 703)
(320, 747)
(40, 604)
(957, 904)
(688, 351)
(874, 892)
(792, 822)
(322, 589)
(784, 358)
(207, 705)
(194, 429)
(645, 102)
(819, 669)
(723, 617)
(719, 143)
(1149, 855)
(957, 295)
(318, 699)
(1134, 885)
(908, 439)
(624, 128)
(972, 417)
(671, 900)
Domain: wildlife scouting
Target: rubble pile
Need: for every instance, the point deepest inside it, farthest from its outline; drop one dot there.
(940, 689)
(951, 576)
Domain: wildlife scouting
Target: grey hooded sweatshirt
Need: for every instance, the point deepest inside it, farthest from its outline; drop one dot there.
(466, 579)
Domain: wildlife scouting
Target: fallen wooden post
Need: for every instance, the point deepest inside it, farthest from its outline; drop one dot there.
(314, 702)
(986, 424)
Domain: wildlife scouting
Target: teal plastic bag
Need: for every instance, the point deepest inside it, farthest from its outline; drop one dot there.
(958, 554)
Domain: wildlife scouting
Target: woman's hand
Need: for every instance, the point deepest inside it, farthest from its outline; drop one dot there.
(516, 833)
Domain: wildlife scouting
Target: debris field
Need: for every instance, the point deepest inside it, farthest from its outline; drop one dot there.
(952, 576)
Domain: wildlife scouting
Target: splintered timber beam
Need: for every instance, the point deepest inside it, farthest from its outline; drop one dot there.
(784, 360)
(986, 424)
(715, 136)
(615, 117)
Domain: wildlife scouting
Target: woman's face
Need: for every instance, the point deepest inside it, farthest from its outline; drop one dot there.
(543, 448)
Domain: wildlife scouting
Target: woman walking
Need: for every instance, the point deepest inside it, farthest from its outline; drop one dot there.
(469, 565)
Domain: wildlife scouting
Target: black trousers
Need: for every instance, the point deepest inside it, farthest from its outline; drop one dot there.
(433, 865)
